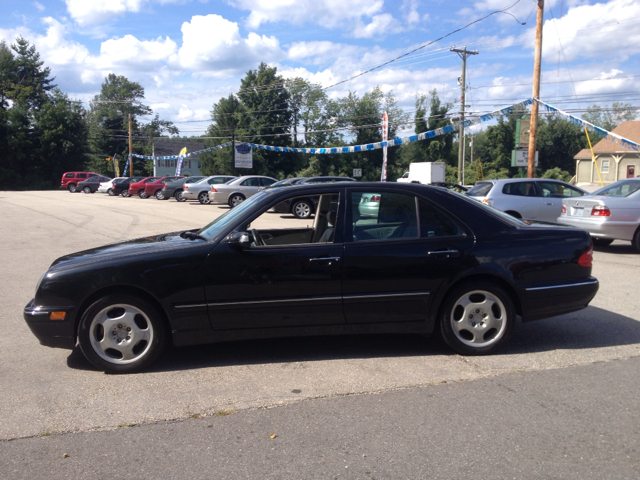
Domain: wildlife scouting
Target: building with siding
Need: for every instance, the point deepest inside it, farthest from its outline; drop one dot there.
(190, 166)
(614, 161)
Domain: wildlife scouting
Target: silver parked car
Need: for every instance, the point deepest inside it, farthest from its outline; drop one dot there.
(533, 198)
(611, 213)
(236, 191)
(200, 190)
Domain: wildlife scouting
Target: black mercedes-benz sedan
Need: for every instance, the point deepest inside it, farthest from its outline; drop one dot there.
(427, 259)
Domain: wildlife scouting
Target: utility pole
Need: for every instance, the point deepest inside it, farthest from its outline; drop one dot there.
(464, 53)
(233, 151)
(130, 150)
(533, 128)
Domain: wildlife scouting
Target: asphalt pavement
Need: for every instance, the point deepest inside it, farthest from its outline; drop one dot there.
(53, 395)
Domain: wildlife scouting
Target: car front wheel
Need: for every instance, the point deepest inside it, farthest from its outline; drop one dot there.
(72, 187)
(86, 190)
(302, 209)
(141, 194)
(601, 242)
(159, 195)
(110, 192)
(636, 240)
(125, 193)
(235, 200)
(121, 333)
(477, 318)
(203, 198)
(179, 197)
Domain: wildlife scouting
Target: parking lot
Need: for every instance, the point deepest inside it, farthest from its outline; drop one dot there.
(51, 390)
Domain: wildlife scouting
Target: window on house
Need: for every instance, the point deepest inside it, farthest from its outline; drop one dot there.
(605, 166)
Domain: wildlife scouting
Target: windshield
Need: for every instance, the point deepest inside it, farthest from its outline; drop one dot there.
(224, 221)
(623, 188)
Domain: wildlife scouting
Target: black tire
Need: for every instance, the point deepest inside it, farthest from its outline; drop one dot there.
(302, 209)
(179, 197)
(236, 199)
(203, 198)
(601, 242)
(636, 240)
(477, 318)
(159, 195)
(87, 190)
(118, 326)
(141, 194)
(125, 193)
(72, 188)
(111, 193)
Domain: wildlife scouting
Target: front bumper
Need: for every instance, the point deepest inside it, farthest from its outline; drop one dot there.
(51, 333)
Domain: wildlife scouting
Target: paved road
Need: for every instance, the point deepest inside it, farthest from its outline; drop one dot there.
(48, 391)
(579, 422)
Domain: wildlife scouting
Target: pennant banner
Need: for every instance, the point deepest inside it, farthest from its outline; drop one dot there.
(612, 137)
(187, 155)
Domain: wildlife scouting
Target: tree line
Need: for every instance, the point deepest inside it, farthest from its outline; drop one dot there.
(44, 133)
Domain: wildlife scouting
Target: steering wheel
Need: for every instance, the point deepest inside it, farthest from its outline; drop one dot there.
(257, 239)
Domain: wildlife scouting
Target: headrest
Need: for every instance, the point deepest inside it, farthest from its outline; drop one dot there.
(332, 217)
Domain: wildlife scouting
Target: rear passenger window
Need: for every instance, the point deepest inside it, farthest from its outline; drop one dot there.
(265, 182)
(523, 189)
(69, 175)
(434, 223)
(383, 216)
(82, 175)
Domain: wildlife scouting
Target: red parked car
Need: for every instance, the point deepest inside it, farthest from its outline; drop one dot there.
(138, 187)
(153, 189)
(70, 180)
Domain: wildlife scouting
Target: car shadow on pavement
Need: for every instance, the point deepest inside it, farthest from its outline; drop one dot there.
(589, 328)
(619, 248)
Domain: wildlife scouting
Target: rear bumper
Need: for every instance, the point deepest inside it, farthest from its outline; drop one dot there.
(548, 300)
(51, 333)
(602, 228)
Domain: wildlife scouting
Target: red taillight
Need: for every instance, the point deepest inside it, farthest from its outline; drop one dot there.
(186, 187)
(375, 198)
(600, 211)
(213, 189)
(563, 209)
(586, 259)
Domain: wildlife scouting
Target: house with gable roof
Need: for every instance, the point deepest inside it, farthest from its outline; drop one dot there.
(614, 161)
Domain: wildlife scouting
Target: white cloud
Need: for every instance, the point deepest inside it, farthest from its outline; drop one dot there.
(409, 10)
(88, 12)
(39, 6)
(128, 50)
(212, 46)
(594, 31)
(380, 26)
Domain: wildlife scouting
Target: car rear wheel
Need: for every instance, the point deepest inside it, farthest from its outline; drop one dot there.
(236, 199)
(302, 209)
(203, 198)
(141, 194)
(86, 189)
(636, 240)
(477, 318)
(179, 197)
(160, 196)
(110, 192)
(72, 187)
(121, 333)
(601, 242)
(125, 193)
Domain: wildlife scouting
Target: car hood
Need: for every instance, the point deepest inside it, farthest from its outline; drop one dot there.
(136, 247)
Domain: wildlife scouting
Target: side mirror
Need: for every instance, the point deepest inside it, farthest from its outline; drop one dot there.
(241, 240)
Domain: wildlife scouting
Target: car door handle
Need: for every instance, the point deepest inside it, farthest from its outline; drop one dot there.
(325, 259)
(444, 253)
(549, 203)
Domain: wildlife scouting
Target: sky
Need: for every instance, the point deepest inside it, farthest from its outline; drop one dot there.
(187, 54)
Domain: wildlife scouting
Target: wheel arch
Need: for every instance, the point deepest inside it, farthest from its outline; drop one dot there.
(479, 277)
(123, 290)
(513, 213)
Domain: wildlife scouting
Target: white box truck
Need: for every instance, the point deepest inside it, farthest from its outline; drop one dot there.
(424, 172)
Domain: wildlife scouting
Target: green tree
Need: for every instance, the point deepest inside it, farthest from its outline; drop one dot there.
(610, 118)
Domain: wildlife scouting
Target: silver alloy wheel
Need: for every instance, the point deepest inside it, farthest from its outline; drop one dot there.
(203, 198)
(86, 190)
(302, 209)
(159, 195)
(236, 200)
(141, 194)
(179, 196)
(125, 193)
(111, 192)
(72, 187)
(121, 334)
(478, 319)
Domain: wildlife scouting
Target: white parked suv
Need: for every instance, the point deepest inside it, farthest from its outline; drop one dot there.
(532, 198)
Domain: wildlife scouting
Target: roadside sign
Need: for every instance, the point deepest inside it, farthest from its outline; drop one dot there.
(520, 158)
(357, 173)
